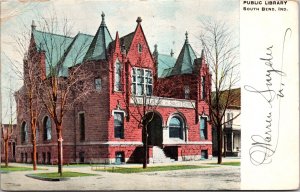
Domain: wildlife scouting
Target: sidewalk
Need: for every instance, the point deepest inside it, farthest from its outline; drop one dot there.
(217, 177)
(86, 168)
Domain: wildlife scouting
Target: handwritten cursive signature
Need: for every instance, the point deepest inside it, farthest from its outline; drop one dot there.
(262, 146)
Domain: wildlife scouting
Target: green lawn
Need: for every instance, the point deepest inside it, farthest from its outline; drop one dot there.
(14, 168)
(150, 169)
(66, 174)
(228, 163)
(80, 165)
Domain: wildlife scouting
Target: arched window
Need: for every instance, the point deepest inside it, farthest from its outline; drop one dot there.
(176, 127)
(24, 132)
(47, 128)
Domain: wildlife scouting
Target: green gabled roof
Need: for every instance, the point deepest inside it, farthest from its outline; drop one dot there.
(164, 62)
(185, 60)
(99, 44)
(54, 46)
(166, 72)
(76, 52)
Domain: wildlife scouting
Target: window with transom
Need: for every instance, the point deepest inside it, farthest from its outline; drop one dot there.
(142, 81)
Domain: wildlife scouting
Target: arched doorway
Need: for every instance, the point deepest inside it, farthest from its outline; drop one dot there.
(154, 129)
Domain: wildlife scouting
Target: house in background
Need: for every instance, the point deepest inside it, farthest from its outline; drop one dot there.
(231, 128)
(11, 144)
(103, 128)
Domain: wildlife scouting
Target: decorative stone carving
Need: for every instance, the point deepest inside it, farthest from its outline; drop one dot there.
(163, 102)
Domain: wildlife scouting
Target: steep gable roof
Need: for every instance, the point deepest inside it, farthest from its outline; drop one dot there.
(165, 62)
(185, 60)
(75, 52)
(54, 46)
(127, 40)
(99, 45)
(61, 50)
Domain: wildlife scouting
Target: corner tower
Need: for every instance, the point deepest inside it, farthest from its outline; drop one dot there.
(99, 45)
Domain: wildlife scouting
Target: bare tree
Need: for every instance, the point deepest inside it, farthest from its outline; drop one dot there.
(222, 57)
(27, 96)
(7, 132)
(54, 79)
(63, 82)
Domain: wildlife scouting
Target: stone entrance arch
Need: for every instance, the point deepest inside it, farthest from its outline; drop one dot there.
(154, 129)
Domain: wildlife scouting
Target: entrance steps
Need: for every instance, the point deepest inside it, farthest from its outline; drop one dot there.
(159, 156)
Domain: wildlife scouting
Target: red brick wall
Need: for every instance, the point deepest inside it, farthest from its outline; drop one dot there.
(98, 111)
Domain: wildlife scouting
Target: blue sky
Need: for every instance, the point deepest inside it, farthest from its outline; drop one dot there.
(164, 23)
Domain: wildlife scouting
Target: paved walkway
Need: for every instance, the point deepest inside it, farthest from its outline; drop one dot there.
(218, 177)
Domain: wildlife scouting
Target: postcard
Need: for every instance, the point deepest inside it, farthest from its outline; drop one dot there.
(149, 95)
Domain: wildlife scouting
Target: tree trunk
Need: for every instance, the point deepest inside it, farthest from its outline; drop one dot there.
(33, 138)
(60, 149)
(6, 152)
(145, 140)
(220, 141)
(34, 155)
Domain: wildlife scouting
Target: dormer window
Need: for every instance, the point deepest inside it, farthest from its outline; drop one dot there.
(140, 48)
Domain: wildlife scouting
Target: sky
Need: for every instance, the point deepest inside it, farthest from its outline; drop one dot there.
(164, 23)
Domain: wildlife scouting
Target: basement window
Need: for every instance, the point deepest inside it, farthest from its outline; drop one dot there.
(120, 157)
(204, 154)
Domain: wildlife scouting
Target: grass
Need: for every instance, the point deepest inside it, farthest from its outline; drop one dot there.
(150, 169)
(79, 165)
(237, 163)
(14, 168)
(232, 163)
(66, 174)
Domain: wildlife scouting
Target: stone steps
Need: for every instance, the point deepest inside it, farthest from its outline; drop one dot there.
(159, 156)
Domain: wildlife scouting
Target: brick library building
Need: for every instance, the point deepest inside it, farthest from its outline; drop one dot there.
(127, 78)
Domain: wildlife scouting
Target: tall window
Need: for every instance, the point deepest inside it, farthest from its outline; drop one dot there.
(24, 132)
(119, 124)
(118, 76)
(98, 84)
(176, 128)
(186, 92)
(203, 94)
(203, 127)
(47, 128)
(82, 126)
(141, 81)
(140, 48)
